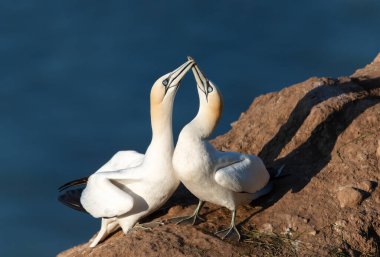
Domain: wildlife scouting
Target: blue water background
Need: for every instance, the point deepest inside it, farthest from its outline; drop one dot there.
(75, 78)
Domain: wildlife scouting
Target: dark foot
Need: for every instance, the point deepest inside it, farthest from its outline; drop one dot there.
(229, 231)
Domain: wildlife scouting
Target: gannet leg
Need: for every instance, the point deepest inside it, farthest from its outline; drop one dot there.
(149, 225)
(193, 217)
(127, 223)
(142, 226)
(158, 222)
(232, 228)
(108, 226)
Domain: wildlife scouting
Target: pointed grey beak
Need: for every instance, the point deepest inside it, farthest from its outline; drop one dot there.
(202, 81)
(177, 75)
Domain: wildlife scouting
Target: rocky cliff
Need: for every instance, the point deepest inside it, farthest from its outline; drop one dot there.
(326, 131)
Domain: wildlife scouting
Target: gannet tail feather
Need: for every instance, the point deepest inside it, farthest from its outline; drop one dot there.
(71, 198)
(264, 191)
(72, 183)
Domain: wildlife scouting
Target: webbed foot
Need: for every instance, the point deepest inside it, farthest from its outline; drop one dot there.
(193, 218)
(230, 229)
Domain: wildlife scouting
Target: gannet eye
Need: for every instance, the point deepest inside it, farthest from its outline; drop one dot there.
(165, 82)
(209, 89)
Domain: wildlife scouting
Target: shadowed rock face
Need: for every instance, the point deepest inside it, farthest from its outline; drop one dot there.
(327, 133)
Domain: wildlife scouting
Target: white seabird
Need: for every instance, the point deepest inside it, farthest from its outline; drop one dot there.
(228, 179)
(132, 185)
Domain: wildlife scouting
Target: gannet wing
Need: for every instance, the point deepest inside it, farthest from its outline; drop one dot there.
(123, 160)
(247, 173)
(106, 194)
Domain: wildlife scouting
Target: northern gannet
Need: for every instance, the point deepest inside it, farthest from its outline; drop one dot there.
(228, 179)
(132, 185)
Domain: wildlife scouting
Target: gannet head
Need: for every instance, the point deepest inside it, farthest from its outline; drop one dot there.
(165, 88)
(162, 98)
(210, 98)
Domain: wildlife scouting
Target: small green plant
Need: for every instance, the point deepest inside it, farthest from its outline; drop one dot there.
(271, 243)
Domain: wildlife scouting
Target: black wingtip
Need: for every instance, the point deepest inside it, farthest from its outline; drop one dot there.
(72, 183)
(71, 198)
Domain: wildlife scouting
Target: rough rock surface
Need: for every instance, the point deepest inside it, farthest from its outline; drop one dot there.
(327, 133)
(350, 197)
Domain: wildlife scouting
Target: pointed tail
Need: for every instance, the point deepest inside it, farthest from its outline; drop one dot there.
(274, 174)
(264, 191)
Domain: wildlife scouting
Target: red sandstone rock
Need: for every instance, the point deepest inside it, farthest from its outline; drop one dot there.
(326, 131)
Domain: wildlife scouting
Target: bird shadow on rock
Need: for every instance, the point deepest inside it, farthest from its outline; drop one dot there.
(330, 88)
(307, 160)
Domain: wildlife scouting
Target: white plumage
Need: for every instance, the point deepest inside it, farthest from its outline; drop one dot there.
(101, 202)
(248, 174)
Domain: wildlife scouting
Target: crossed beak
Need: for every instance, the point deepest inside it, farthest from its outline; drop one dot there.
(177, 75)
(202, 81)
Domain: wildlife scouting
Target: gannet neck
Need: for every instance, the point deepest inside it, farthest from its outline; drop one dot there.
(161, 147)
(162, 97)
(161, 119)
(201, 126)
(209, 113)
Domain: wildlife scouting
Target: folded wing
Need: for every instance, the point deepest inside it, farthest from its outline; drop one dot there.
(105, 197)
(244, 173)
(73, 190)
(123, 160)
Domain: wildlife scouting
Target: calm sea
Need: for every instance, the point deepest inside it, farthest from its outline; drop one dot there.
(75, 78)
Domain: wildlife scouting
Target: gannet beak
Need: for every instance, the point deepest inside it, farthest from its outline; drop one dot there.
(202, 81)
(177, 75)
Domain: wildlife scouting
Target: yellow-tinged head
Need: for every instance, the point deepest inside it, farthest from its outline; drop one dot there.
(163, 93)
(165, 87)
